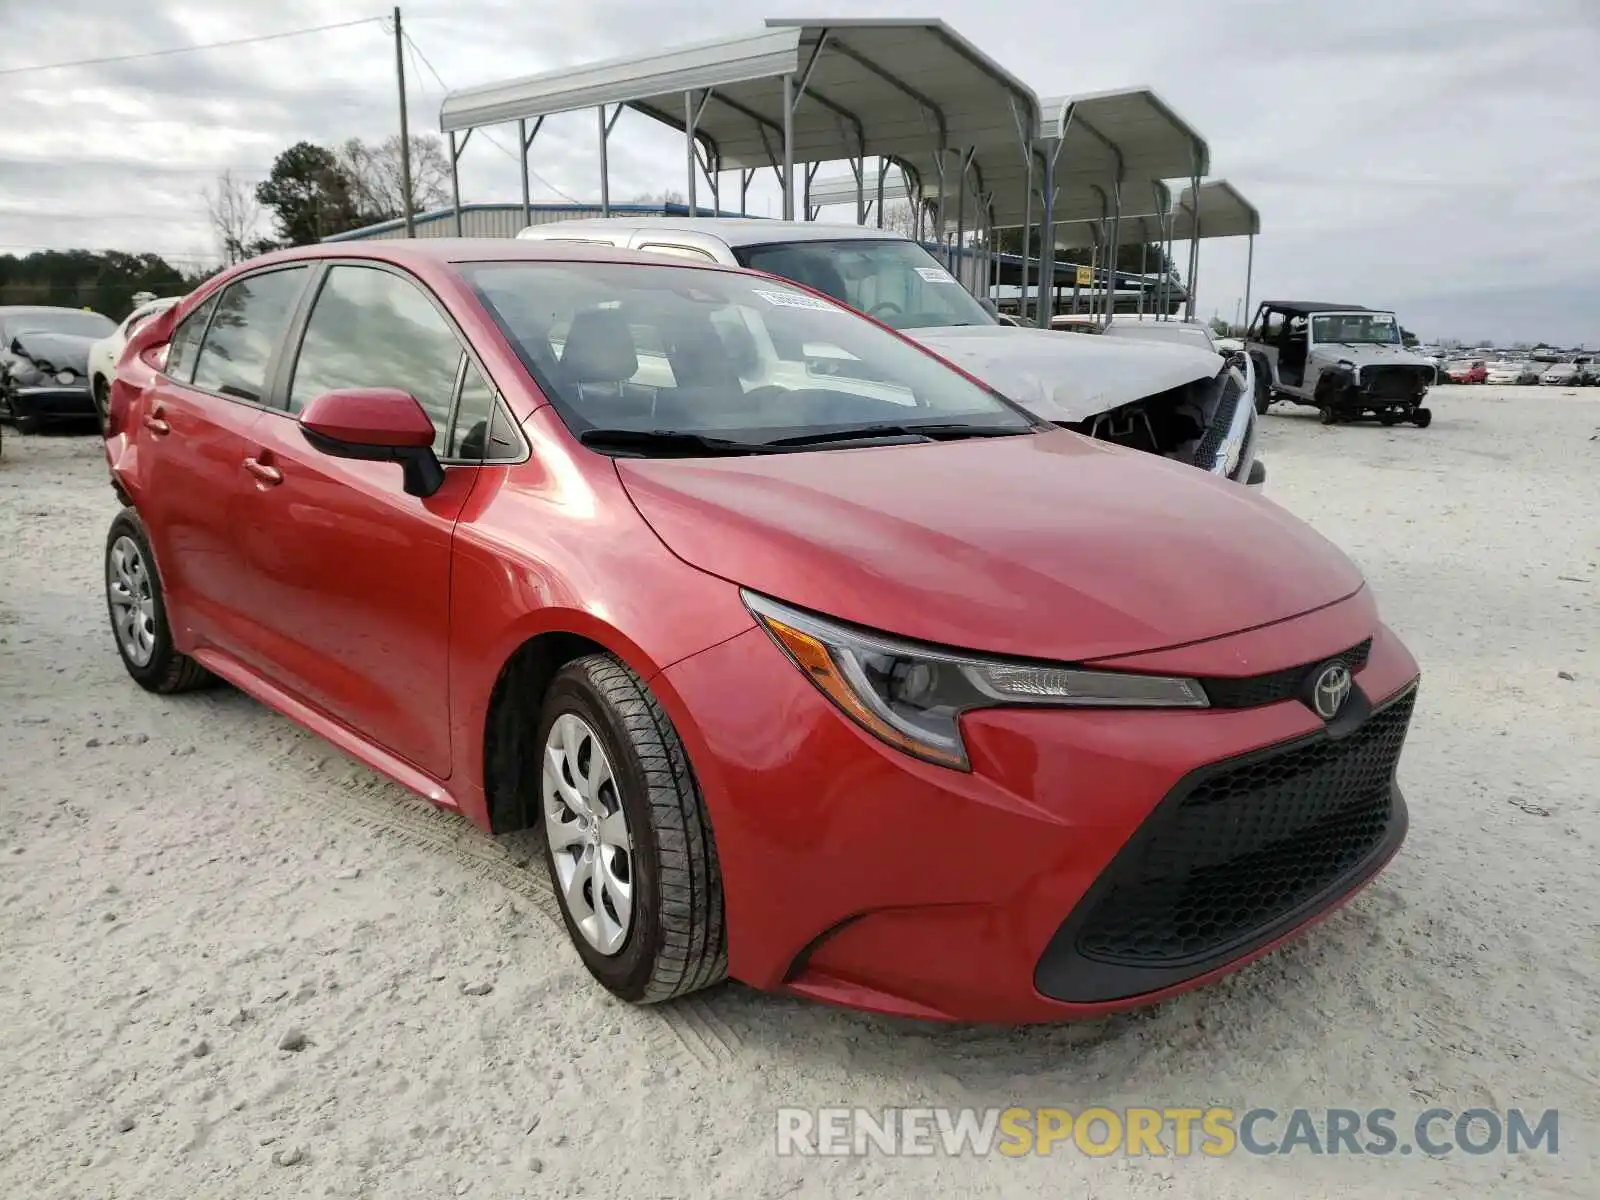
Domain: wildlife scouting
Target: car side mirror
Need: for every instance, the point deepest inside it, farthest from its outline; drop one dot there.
(376, 425)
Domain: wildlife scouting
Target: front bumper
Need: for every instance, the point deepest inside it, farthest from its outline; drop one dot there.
(53, 403)
(857, 875)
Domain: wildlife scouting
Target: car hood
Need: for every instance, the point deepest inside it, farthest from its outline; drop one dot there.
(1365, 355)
(1049, 546)
(1067, 376)
(63, 351)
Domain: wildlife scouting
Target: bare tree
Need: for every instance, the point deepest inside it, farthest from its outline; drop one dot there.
(377, 181)
(663, 198)
(899, 217)
(235, 217)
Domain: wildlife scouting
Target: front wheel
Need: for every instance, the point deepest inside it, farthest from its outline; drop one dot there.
(102, 403)
(1327, 416)
(1422, 418)
(139, 613)
(627, 838)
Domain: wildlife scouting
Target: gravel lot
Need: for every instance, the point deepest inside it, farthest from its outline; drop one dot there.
(186, 884)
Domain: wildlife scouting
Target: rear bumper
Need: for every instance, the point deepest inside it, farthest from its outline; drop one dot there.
(857, 875)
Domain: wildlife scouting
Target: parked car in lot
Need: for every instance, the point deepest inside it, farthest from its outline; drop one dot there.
(104, 353)
(1346, 361)
(44, 363)
(1512, 371)
(1181, 401)
(861, 683)
(1563, 375)
(1467, 371)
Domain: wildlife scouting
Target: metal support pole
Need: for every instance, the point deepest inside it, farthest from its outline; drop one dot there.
(522, 157)
(939, 230)
(1144, 268)
(605, 171)
(883, 169)
(1194, 245)
(455, 183)
(688, 139)
(1025, 275)
(746, 178)
(961, 218)
(1047, 249)
(405, 131)
(788, 147)
(1116, 249)
(1249, 270)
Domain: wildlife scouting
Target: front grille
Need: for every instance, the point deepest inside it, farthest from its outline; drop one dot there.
(1256, 690)
(1238, 853)
(1248, 844)
(1392, 383)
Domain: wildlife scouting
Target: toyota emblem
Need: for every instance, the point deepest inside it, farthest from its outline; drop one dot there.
(1330, 690)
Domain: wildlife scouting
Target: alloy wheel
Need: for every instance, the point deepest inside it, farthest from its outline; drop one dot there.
(133, 604)
(590, 843)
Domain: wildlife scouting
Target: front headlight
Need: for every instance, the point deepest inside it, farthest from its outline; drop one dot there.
(912, 696)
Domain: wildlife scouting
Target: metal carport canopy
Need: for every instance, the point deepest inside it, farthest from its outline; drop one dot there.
(1224, 213)
(856, 87)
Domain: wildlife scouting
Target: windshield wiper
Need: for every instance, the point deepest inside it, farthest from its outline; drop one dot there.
(935, 432)
(667, 442)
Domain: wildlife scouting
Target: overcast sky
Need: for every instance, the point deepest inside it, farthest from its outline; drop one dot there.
(1438, 156)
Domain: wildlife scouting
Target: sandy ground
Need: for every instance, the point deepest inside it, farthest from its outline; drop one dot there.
(185, 882)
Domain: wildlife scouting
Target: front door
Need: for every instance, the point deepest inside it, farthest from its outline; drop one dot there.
(350, 576)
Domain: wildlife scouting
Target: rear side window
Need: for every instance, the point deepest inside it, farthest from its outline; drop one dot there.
(250, 320)
(186, 340)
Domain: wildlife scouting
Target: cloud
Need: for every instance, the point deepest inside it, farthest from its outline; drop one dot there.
(1440, 156)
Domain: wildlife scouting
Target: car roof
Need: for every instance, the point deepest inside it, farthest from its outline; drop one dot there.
(735, 231)
(402, 251)
(18, 309)
(1311, 306)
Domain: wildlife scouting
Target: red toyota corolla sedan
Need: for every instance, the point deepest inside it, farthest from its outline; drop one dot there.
(820, 665)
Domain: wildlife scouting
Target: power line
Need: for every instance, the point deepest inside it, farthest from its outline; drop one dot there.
(504, 149)
(120, 58)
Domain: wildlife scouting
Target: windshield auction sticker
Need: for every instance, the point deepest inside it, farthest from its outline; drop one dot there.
(935, 275)
(796, 300)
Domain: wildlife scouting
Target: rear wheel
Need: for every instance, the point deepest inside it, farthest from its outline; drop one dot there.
(139, 613)
(627, 839)
(1422, 418)
(1327, 416)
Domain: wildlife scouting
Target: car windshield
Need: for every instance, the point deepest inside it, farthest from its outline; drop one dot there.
(1377, 327)
(699, 353)
(896, 281)
(58, 320)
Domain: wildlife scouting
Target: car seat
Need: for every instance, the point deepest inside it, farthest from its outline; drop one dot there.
(597, 361)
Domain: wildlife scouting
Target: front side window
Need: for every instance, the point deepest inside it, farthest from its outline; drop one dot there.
(895, 281)
(372, 329)
(250, 320)
(1378, 328)
(670, 349)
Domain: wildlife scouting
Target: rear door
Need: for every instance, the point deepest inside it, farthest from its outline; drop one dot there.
(192, 444)
(350, 576)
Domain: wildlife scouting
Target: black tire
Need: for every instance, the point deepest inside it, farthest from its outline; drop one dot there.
(167, 671)
(27, 424)
(102, 403)
(1422, 418)
(1263, 392)
(1327, 416)
(1388, 418)
(676, 941)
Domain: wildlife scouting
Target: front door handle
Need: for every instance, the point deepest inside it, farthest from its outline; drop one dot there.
(266, 476)
(157, 426)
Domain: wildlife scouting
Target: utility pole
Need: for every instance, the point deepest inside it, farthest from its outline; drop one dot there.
(405, 132)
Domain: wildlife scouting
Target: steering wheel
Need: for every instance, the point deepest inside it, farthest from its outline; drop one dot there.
(883, 306)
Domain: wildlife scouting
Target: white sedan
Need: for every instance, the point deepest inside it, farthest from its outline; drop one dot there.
(103, 354)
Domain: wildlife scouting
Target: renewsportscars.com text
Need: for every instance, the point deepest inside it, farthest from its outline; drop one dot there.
(1162, 1132)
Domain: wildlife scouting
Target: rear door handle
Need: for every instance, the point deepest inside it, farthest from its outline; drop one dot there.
(265, 476)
